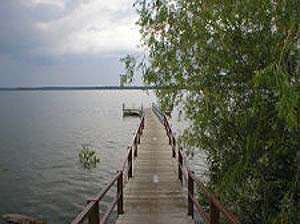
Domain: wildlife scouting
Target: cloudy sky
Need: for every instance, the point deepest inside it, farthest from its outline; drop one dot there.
(65, 42)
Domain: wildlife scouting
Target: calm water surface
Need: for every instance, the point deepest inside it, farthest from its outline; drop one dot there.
(41, 134)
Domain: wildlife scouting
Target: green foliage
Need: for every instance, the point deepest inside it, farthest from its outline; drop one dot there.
(130, 68)
(3, 170)
(88, 157)
(235, 68)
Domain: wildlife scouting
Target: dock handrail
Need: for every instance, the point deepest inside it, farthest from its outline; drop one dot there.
(158, 112)
(215, 206)
(91, 211)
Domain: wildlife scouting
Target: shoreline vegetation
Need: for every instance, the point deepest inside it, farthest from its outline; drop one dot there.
(233, 68)
(66, 88)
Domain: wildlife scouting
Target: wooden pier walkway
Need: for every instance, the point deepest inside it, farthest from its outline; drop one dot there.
(156, 172)
(154, 194)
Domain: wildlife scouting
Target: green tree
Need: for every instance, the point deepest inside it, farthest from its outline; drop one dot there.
(235, 67)
(130, 68)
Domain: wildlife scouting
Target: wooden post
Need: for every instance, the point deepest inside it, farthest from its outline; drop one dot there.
(190, 195)
(130, 163)
(168, 129)
(166, 126)
(170, 136)
(214, 213)
(135, 148)
(94, 215)
(138, 138)
(141, 127)
(180, 163)
(174, 147)
(120, 193)
(143, 123)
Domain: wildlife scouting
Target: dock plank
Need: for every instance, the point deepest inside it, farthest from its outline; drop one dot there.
(154, 195)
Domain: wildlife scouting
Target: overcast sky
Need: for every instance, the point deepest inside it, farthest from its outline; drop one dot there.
(65, 42)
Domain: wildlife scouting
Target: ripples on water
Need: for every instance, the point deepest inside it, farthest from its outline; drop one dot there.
(40, 137)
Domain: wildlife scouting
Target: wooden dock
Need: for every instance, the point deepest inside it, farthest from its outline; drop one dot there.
(156, 172)
(154, 194)
(138, 112)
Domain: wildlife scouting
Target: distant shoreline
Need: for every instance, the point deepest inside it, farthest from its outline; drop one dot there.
(65, 88)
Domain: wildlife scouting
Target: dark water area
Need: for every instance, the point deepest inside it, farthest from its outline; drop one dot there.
(41, 134)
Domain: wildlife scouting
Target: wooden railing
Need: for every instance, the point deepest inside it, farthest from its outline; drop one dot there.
(211, 215)
(163, 119)
(92, 210)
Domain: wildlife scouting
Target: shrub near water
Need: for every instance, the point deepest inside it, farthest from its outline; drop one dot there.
(88, 157)
(235, 68)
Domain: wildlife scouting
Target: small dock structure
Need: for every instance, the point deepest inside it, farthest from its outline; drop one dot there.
(154, 183)
(135, 112)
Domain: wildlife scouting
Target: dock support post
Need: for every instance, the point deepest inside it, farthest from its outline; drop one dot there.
(180, 165)
(138, 137)
(166, 125)
(143, 124)
(214, 213)
(120, 193)
(93, 216)
(170, 136)
(130, 163)
(135, 148)
(174, 147)
(168, 130)
(190, 194)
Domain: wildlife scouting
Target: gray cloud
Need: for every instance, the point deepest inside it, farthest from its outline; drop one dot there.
(44, 42)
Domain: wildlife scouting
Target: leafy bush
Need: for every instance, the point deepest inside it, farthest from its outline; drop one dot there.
(88, 157)
(235, 67)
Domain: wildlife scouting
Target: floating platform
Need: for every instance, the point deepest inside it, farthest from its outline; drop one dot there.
(134, 112)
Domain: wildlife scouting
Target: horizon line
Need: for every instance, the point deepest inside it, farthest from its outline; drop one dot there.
(108, 87)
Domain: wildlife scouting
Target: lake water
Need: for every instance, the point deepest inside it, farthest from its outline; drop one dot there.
(41, 134)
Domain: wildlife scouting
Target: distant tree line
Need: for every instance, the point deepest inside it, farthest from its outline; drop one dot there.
(235, 68)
